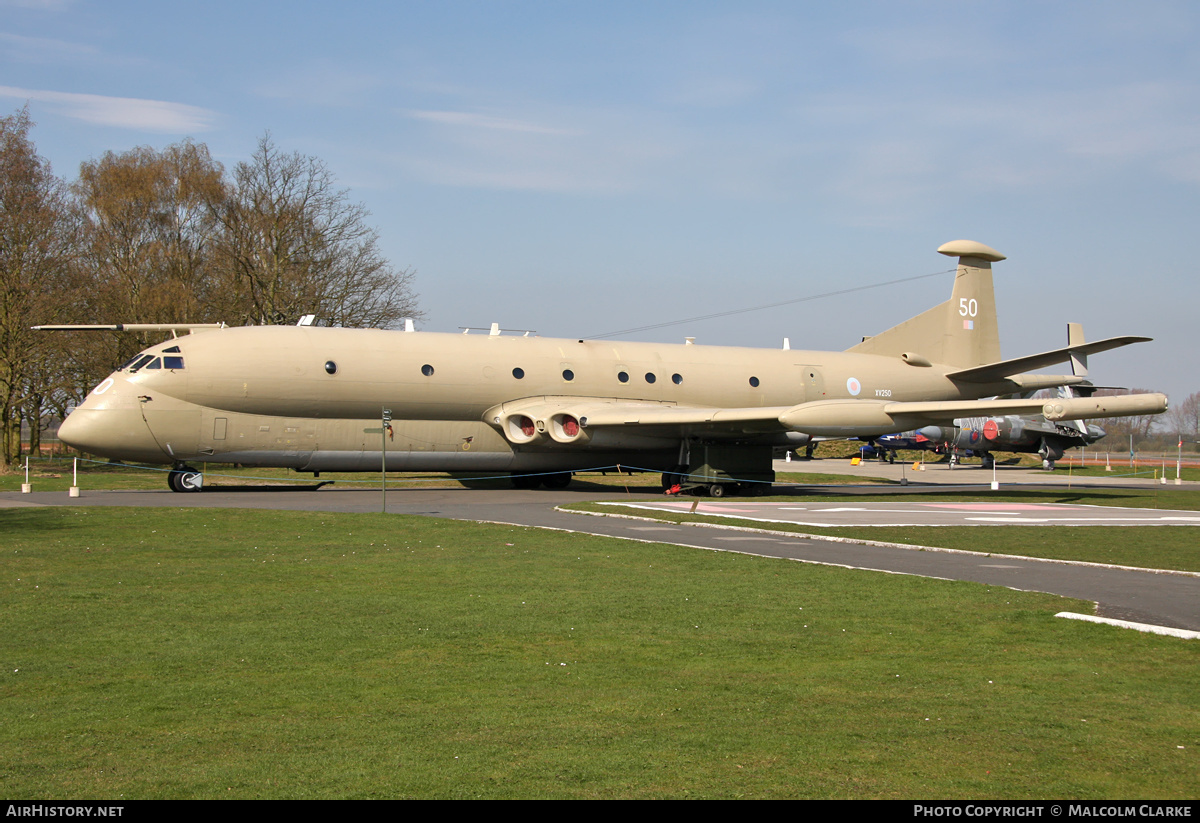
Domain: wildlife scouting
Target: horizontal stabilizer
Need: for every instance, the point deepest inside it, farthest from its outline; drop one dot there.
(995, 372)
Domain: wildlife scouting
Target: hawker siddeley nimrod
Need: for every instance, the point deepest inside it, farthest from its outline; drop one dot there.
(312, 398)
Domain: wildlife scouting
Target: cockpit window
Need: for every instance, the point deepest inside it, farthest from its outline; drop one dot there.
(172, 350)
(149, 361)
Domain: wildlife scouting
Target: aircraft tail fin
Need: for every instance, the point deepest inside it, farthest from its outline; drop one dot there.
(961, 332)
(1075, 340)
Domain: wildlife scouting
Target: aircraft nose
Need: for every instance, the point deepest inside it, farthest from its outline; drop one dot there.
(110, 424)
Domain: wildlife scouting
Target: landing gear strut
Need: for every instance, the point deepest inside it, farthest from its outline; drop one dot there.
(185, 479)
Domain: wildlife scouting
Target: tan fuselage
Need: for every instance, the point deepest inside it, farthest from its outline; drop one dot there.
(307, 397)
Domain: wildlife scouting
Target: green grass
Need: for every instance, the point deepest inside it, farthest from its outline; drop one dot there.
(202, 653)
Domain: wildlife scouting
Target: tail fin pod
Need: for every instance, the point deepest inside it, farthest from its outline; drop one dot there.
(962, 331)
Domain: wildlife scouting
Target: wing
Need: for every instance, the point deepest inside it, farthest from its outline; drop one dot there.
(583, 421)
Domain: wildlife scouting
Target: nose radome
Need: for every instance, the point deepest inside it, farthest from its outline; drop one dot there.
(110, 424)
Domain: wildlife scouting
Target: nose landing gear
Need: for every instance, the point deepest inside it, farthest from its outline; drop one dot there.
(185, 479)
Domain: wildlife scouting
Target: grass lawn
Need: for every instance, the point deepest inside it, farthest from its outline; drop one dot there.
(230, 653)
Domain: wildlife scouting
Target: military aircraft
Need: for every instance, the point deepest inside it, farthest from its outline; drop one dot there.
(1011, 433)
(981, 436)
(317, 399)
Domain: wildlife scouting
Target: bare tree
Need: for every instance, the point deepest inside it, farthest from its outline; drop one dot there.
(1121, 428)
(1184, 417)
(292, 243)
(36, 256)
(148, 233)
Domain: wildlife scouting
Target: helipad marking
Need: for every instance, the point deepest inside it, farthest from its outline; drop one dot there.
(933, 514)
(996, 507)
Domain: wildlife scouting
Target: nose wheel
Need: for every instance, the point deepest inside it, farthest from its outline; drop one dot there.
(185, 479)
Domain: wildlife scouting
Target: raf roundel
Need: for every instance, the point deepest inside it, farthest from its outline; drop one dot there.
(853, 386)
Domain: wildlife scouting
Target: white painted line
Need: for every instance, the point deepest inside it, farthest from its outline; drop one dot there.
(1126, 624)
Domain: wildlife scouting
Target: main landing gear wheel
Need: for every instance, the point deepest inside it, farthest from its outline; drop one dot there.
(526, 481)
(674, 477)
(186, 479)
(559, 480)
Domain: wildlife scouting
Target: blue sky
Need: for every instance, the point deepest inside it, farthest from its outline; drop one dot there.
(582, 168)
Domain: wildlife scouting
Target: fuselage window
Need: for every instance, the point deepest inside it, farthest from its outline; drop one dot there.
(623, 377)
(650, 378)
(518, 372)
(330, 367)
(427, 370)
(172, 362)
(568, 375)
(677, 379)
(754, 382)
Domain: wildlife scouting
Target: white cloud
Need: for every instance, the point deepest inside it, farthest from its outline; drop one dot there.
(43, 5)
(475, 120)
(584, 151)
(44, 49)
(121, 112)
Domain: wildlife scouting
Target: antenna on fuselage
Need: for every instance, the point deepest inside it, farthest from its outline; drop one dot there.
(495, 331)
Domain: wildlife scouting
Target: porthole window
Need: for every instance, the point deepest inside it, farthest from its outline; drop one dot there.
(330, 367)
(427, 370)
(677, 379)
(650, 378)
(568, 375)
(623, 377)
(754, 382)
(518, 372)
